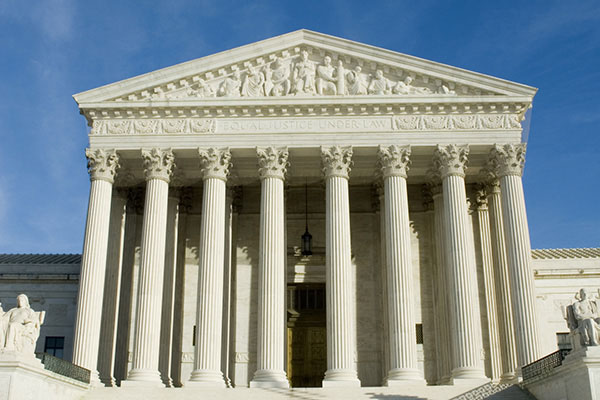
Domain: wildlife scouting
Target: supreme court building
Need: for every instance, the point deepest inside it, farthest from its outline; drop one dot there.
(305, 211)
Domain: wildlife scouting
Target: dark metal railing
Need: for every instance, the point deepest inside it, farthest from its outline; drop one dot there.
(64, 368)
(544, 365)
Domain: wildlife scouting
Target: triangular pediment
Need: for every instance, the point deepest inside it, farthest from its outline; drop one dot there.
(303, 64)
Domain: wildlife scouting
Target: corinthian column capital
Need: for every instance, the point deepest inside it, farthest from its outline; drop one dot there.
(451, 160)
(272, 162)
(102, 164)
(158, 163)
(337, 161)
(394, 160)
(215, 163)
(507, 159)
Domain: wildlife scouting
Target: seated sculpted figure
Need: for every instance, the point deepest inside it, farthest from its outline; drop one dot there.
(304, 75)
(584, 320)
(379, 84)
(20, 327)
(277, 80)
(357, 84)
(326, 81)
(230, 87)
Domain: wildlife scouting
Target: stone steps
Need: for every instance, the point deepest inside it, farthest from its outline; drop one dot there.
(404, 392)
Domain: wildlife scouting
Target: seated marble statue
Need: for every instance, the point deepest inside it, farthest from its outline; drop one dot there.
(230, 87)
(20, 327)
(379, 84)
(326, 81)
(253, 83)
(277, 80)
(583, 320)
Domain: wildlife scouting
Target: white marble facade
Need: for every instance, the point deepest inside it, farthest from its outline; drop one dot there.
(199, 174)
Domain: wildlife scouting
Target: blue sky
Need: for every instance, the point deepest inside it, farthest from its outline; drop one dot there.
(51, 49)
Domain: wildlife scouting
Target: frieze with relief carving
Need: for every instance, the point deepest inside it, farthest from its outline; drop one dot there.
(193, 126)
(305, 72)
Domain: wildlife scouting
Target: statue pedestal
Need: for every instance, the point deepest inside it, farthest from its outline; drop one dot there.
(578, 378)
(24, 377)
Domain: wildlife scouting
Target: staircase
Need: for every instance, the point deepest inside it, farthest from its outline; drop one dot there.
(501, 391)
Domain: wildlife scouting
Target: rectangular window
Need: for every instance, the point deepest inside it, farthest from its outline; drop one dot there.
(55, 346)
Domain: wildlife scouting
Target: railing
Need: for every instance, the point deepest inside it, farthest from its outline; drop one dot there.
(64, 368)
(543, 366)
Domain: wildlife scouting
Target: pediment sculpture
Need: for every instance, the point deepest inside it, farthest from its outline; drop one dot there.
(583, 320)
(300, 76)
(20, 327)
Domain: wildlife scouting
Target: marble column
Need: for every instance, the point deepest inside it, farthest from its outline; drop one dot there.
(483, 219)
(169, 282)
(341, 338)
(270, 368)
(102, 166)
(450, 161)
(502, 279)
(507, 161)
(441, 285)
(394, 162)
(385, 346)
(215, 165)
(112, 288)
(158, 166)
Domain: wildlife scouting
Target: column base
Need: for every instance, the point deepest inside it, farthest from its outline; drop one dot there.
(341, 378)
(469, 375)
(445, 380)
(400, 376)
(108, 381)
(143, 377)
(207, 378)
(509, 377)
(267, 378)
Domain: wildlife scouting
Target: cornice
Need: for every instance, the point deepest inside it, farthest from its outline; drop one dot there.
(351, 106)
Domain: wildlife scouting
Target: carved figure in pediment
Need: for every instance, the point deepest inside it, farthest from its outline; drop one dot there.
(583, 320)
(406, 87)
(203, 89)
(304, 75)
(277, 80)
(444, 88)
(230, 87)
(357, 84)
(326, 79)
(379, 84)
(20, 327)
(253, 83)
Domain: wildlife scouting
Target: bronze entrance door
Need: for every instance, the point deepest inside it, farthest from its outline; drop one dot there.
(307, 335)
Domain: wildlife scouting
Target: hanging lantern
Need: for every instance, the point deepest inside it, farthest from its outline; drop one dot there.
(307, 237)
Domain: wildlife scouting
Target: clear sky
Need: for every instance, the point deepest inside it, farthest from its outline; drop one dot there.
(52, 49)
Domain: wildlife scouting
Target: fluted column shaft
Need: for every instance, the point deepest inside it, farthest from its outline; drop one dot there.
(441, 283)
(158, 165)
(504, 303)
(394, 162)
(207, 357)
(341, 345)
(102, 165)
(489, 284)
(169, 295)
(112, 290)
(466, 337)
(271, 271)
(508, 160)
